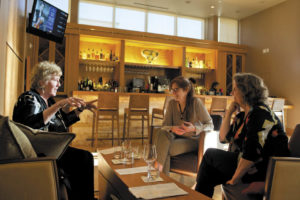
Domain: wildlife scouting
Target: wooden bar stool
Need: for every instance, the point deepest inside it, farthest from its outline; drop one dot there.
(218, 106)
(158, 113)
(138, 107)
(107, 110)
(278, 109)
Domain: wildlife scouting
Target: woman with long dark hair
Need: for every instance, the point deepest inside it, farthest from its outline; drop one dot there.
(186, 117)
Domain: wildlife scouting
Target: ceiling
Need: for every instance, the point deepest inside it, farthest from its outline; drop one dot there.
(236, 9)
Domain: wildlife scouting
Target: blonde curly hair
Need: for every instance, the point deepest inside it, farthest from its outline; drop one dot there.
(252, 87)
(43, 72)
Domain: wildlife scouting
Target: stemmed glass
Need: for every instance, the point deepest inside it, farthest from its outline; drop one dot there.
(149, 155)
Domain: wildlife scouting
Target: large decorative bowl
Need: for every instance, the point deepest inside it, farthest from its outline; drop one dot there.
(150, 55)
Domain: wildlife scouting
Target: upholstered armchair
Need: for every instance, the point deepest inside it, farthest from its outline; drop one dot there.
(28, 162)
(282, 180)
(34, 179)
(188, 163)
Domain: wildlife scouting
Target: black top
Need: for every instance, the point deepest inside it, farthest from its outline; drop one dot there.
(257, 137)
(29, 111)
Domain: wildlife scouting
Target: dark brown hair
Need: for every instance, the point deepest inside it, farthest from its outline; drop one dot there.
(185, 84)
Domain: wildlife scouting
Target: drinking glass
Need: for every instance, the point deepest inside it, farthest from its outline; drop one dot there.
(126, 149)
(149, 155)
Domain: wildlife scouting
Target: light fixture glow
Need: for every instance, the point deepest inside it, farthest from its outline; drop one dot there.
(212, 6)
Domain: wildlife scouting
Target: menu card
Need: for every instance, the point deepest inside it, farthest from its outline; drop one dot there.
(132, 170)
(157, 191)
(110, 150)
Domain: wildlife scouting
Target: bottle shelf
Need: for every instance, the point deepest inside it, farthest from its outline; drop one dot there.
(142, 65)
(198, 70)
(101, 63)
(98, 66)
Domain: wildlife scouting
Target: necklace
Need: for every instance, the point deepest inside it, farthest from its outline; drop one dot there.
(181, 112)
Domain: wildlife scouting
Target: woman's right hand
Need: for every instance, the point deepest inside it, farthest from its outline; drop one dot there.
(234, 106)
(65, 104)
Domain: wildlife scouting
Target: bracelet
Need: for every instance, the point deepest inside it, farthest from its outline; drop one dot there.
(80, 109)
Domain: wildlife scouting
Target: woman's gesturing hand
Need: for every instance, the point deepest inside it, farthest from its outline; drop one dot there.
(90, 106)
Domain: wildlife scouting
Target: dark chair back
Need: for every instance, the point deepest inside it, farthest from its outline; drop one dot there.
(294, 142)
(217, 121)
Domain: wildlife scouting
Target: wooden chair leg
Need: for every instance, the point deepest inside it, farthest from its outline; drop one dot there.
(142, 129)
(96, 134)
(124, 126)
(93, 130)
(118, 121)
(128, 125)
(112, 129)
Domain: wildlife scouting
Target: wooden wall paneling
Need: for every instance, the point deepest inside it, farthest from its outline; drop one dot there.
(16, 26)
(52, 51)
(13, 80)
(71, 63)
(221, 70)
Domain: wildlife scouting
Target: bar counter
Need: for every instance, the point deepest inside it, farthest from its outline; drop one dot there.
(83, 128)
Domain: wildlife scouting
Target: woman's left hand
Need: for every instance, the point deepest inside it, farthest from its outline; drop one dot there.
(188, 127)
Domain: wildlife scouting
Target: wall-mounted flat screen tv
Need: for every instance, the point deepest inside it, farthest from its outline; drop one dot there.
(47, 21)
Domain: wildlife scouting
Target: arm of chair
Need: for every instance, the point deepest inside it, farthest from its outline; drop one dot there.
(283, 170)
(153, 129)
(31, 178)
(201, 148)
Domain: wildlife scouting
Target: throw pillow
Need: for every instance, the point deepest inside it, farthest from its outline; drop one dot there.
(13, 143)
(50, 144)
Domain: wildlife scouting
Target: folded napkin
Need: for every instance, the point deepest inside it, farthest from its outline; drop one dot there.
(157, 191)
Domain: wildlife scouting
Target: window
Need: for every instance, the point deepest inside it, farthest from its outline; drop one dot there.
(228, 30)
(96, 14)
(130, 19)
(159, 23)
(191, 28)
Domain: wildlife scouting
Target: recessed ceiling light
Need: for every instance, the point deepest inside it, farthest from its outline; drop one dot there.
(212, 6)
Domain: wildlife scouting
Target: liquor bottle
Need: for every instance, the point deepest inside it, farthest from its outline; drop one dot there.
(88, 54)
(101, 55)
(187, 62)
(84, 54)
(97, 56)
(110, 56)
(93, 54)
(80, 54)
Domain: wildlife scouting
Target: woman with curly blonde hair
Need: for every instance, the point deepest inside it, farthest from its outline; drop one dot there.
(255, 135)
(37, 109)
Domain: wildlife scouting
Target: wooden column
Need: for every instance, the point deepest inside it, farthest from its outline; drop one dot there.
(74, 11)
(212, 28)
(122, 64)
(71, 63)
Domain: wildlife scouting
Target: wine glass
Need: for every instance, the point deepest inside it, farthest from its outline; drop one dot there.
(149, 155)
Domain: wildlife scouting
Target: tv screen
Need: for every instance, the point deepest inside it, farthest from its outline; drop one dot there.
(47, 21)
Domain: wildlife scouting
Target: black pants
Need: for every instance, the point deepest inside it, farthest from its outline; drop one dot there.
(217, 167)
(78, 166)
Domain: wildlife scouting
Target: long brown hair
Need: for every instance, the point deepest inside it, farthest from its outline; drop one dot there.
(185, 84)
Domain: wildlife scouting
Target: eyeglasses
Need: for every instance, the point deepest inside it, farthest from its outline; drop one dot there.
(174, 90)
